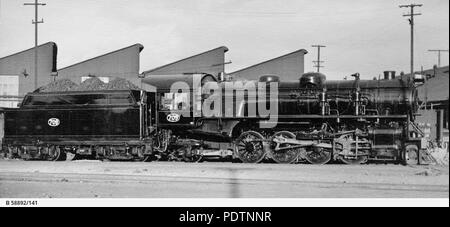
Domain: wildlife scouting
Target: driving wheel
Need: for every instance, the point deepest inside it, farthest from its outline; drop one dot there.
(318, 156)
(283, 154)
(249, 147)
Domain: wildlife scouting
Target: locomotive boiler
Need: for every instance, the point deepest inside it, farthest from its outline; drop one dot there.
(318, 121)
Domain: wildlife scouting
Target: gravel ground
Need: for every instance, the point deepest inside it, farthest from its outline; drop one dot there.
(92, 179)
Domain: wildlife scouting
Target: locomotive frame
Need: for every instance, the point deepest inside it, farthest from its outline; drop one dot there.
(351, 121)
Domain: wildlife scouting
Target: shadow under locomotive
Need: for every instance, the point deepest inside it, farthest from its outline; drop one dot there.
(318, 121)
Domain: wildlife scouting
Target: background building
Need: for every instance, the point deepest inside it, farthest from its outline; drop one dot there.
(211, 62)
(123, 63)
(9, 88)
(288, 67)
(434, 97)
(17, 72)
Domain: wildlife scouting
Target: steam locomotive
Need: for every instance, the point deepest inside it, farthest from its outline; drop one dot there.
(192, 117)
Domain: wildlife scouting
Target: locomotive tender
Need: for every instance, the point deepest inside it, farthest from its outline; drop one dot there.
(102, 124)
(318, 121)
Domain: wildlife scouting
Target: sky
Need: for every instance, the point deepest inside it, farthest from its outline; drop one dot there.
(364, 36)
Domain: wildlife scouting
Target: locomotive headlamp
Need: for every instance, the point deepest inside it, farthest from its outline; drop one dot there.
(419, 79)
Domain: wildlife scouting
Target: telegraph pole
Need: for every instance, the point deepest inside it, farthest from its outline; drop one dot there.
(318, 62)
(36, 4)
(439, 55)
(411, 22)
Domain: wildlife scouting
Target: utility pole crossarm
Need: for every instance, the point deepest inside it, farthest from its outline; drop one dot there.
(36, 22)
(411, 23)
(439, 55)
(318, 62)
(36, 4)
(411, 5)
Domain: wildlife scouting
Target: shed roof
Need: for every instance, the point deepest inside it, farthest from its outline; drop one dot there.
(274, 59)
(55, 53)
(140, 46)
(45, 44)
(225, 49)
(165, 82)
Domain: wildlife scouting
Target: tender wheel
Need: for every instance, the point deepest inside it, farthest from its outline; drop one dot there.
(25, 154)
(54, 154)
(410, 156)
(354, 161)
(318, 156)
(284, 155)
(12, 153)
(249, 147)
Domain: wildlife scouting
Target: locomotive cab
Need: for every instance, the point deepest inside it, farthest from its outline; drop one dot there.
(180, 99)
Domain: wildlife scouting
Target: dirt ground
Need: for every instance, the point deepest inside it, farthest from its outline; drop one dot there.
(95, 179)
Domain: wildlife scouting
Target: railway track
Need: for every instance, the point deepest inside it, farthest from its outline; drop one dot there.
(216, 180)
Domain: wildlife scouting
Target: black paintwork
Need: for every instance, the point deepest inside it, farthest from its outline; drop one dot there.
(117, 117)
(298, 101)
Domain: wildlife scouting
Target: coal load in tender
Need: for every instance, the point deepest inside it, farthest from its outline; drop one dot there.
(59, 86)
(91, 84)
(121, 84)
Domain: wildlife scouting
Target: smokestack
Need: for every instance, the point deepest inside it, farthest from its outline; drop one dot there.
(387, 75)
(393, 75)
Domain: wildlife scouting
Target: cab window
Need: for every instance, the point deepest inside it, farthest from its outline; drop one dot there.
(175, 101)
